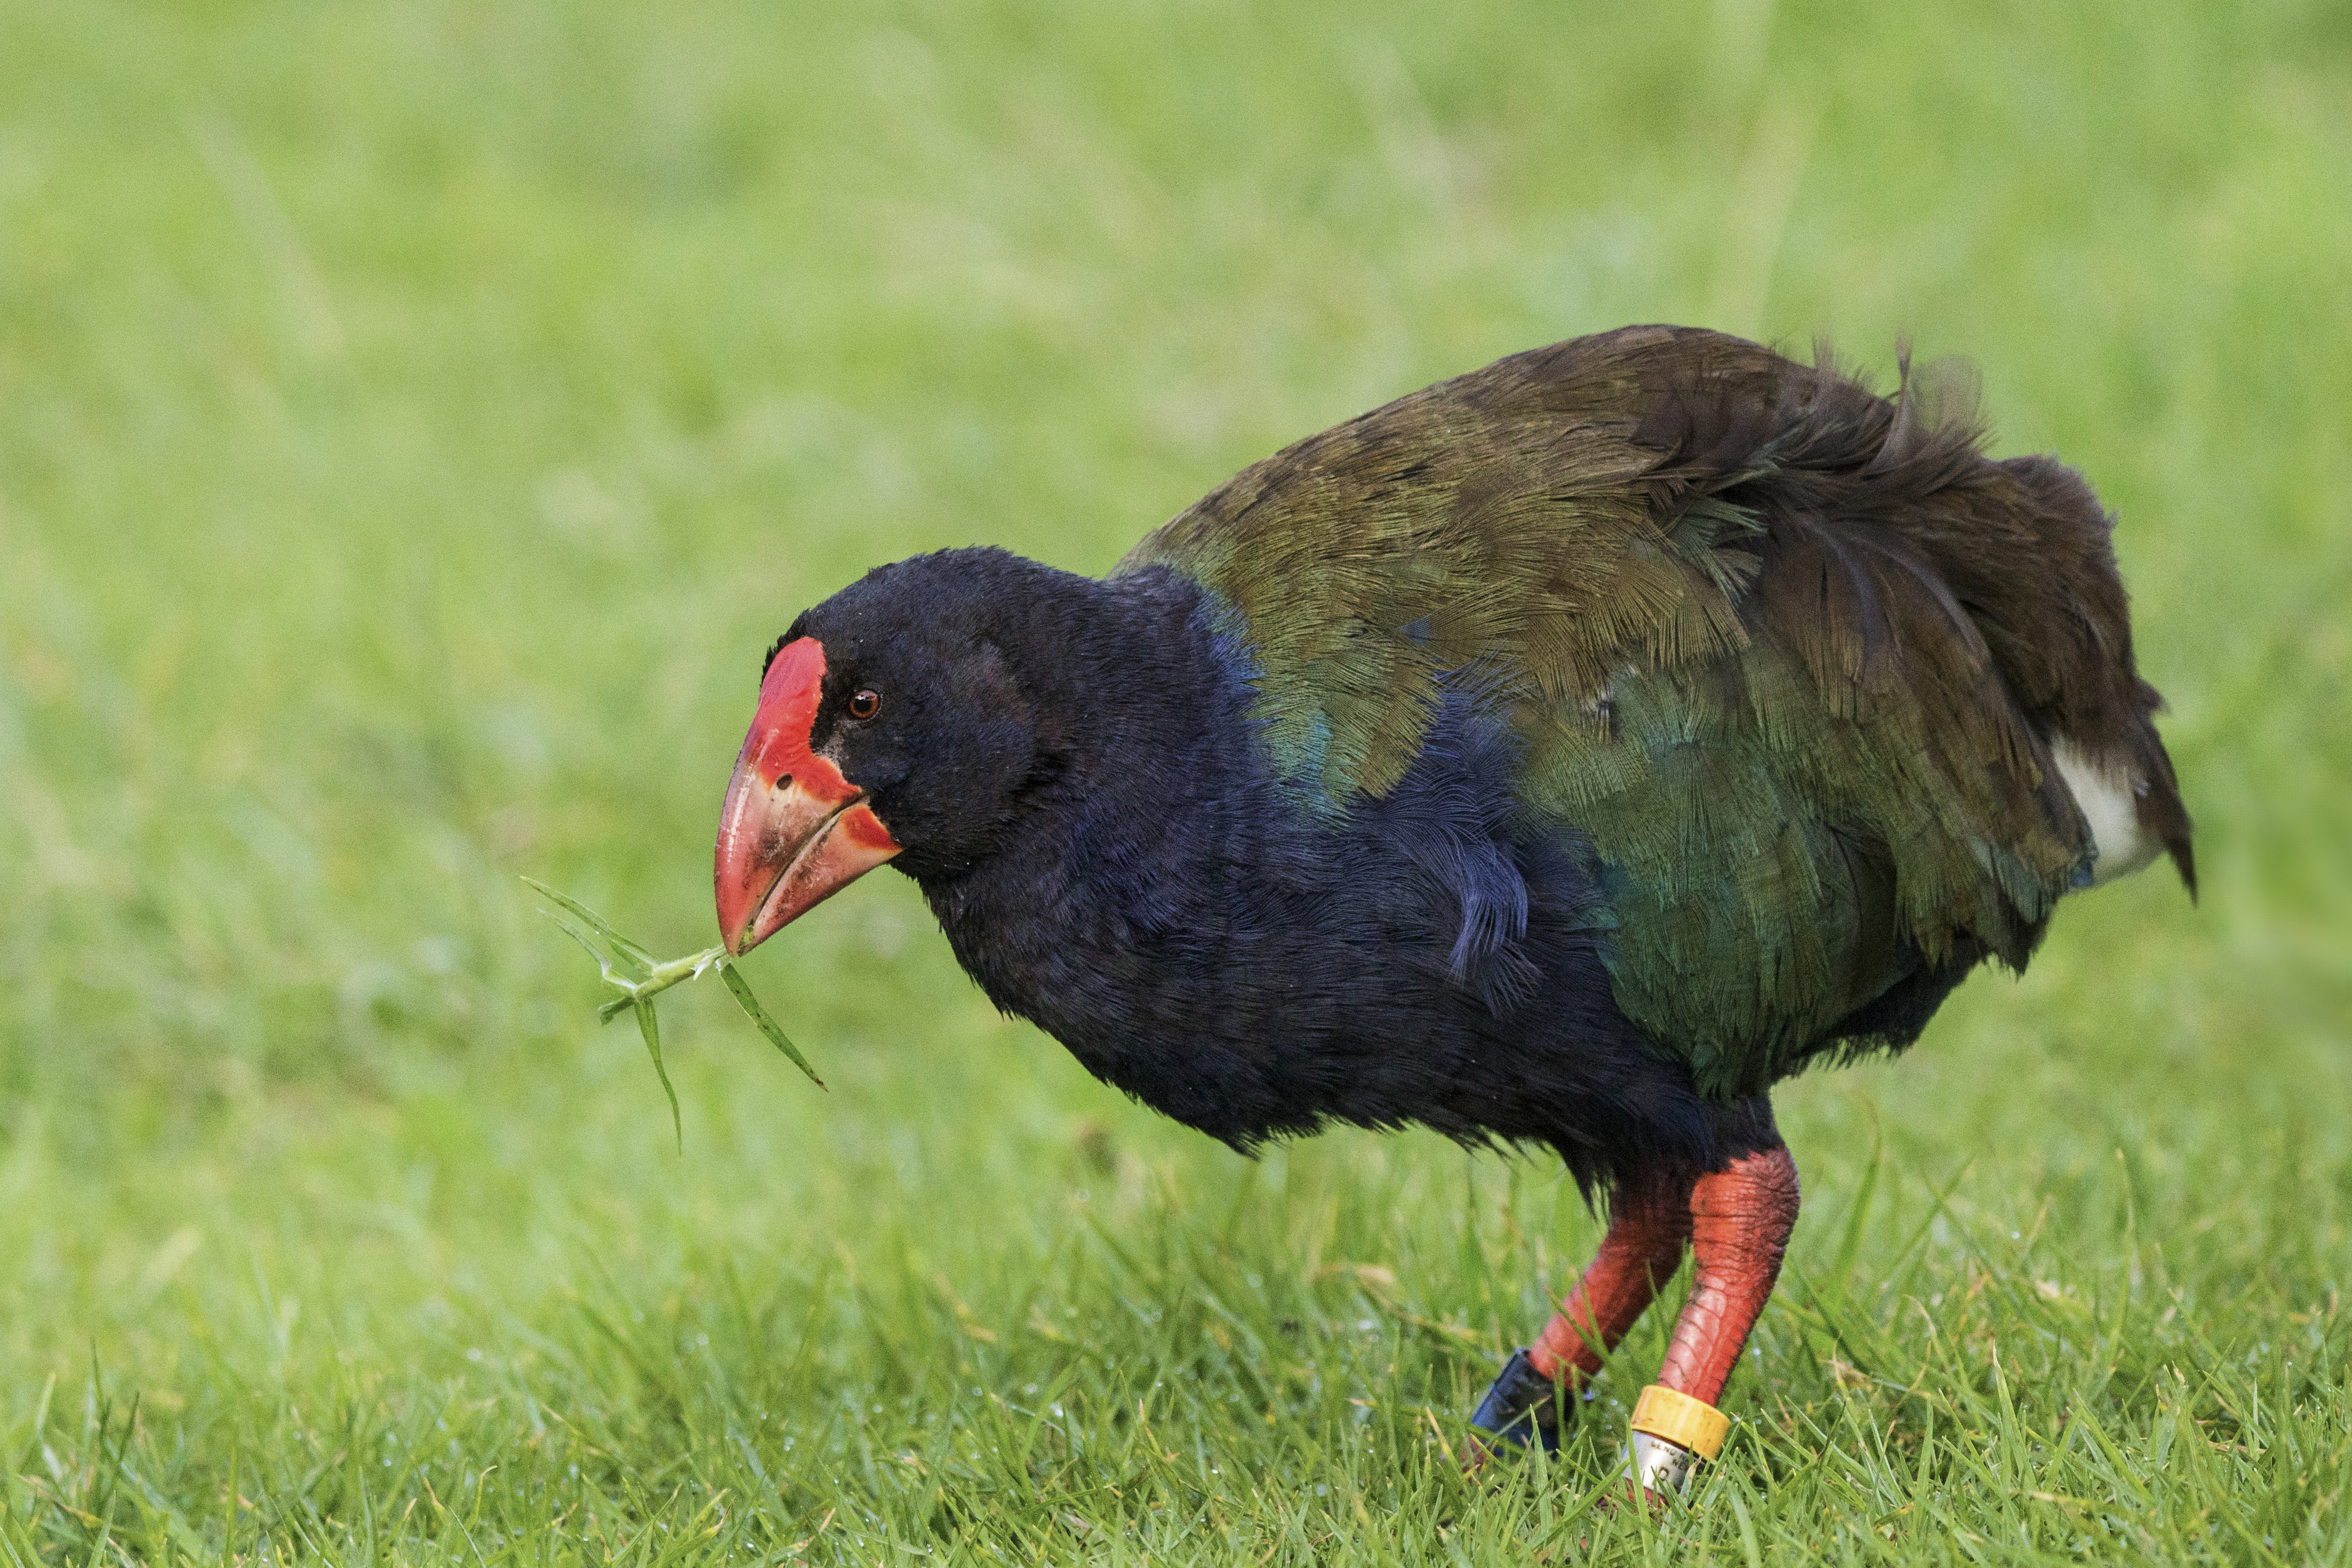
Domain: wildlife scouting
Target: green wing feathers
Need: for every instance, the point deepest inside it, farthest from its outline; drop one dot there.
(1790, 654)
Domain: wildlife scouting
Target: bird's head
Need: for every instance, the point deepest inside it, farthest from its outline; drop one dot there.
(892, 724)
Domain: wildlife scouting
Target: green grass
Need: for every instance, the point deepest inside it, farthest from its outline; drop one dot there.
(416, 421)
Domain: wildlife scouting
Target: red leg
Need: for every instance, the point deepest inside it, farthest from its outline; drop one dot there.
(1640, 1253)
(1641, 1250)
(1740, 1221)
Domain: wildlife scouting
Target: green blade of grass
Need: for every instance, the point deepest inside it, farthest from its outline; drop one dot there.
(1857, 1217)
(644, 977)
(604, 966)
(635, 961)
(647, 1026)
(675, 972)
(758, 1014)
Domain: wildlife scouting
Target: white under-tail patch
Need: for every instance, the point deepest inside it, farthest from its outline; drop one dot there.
(2108, 793)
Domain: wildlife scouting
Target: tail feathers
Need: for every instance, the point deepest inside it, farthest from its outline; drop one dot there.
(1902, 566)
(2032, 560)
(2129, 808)
(2155, 802)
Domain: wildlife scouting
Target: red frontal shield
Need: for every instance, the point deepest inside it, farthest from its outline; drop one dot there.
(794, 830)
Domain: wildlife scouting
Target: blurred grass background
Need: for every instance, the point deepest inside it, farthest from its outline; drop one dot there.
(415, 421)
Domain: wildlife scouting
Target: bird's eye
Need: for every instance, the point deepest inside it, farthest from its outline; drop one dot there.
(865, 705)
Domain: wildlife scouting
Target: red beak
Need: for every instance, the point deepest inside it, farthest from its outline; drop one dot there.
(793, 830)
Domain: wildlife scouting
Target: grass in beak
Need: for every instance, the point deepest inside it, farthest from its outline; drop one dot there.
(639, 977)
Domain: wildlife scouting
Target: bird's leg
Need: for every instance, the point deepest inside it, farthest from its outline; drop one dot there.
(1648, 1227)
(1640, 1253)
(1740, 1217)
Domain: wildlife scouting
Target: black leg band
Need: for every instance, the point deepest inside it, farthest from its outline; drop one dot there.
(1519, 1405)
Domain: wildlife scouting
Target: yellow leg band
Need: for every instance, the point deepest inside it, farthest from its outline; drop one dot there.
(1686, 1422)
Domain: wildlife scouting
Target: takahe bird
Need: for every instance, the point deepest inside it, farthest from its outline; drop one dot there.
(1561, 754)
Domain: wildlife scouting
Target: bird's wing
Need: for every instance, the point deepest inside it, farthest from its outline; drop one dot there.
(1787, 653)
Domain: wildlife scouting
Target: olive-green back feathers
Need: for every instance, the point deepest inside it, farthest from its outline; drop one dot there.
(1790, 654)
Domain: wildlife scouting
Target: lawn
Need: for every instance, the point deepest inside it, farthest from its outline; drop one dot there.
(417, 419)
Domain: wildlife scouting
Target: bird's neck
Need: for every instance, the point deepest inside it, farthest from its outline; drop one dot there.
(1146, 880)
